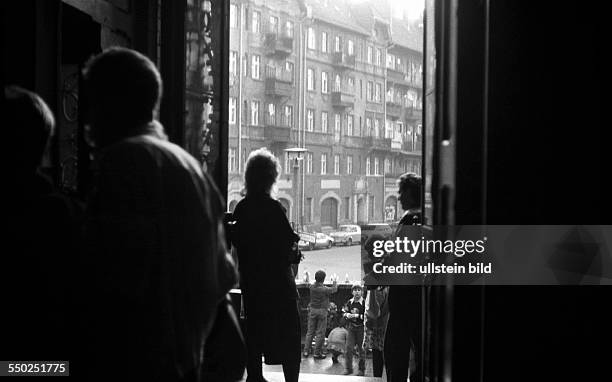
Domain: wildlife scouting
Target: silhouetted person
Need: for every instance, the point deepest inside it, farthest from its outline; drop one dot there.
(404, 326)
(41, 234)
(263, 238)
(159, 265)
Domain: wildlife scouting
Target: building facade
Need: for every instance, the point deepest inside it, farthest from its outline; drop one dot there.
(339, 80)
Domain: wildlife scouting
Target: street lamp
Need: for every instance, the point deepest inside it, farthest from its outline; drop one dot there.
(295, 156)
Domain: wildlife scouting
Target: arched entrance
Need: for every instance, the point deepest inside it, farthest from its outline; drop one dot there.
(391, 209)
(361, 211)
(329, 212)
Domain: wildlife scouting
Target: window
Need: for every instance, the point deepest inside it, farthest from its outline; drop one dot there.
(273, 27)
(336, 164)
(390, 61)
(324, 42)
(233, 15)
(369, 54)
(349, 164)
(324, 123)
(361, 89)
(287, 163)
(337, 125)
(324, 88)
(368, 166)
(271, 114)
(311, 38)
(233, 58)
(254, 113)
(369, 94)
(378, 57)
(232, 110)
(351, 48)
(368, 126)
(347, 207)
(377, 128)
(377, 92)
(337, 84)
(309, 163)
(310, 120)
(323, 164)
(256, 23)
(289, 29)
(376, 166)
(245, 65)
(289, 69)
(337, 44)
(232, 160)
(310, 79)
(255, 67)
(351, 84)
(288, 116)
(349, 124)
(387, 166)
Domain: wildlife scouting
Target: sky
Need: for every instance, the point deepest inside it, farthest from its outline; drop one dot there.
(414, 8)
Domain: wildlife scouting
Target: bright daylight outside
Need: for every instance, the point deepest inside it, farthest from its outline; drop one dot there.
(334, 90)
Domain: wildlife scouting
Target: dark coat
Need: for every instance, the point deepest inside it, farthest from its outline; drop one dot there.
(159, 262)
(263, 237)
(38, 272)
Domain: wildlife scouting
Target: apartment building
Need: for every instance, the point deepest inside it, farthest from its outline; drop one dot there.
(343, 82)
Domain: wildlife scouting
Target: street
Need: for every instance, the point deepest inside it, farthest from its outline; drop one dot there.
(341, 260)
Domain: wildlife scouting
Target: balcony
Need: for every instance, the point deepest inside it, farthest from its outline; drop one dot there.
(276, 131)
(394, 110)
(279, 83)
(402, 78)
(278, 44)
(318, 138)
(412, 146)
(377, 143)
(342, 97)
(343, 61)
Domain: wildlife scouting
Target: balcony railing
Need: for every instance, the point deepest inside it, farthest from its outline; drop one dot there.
(342, 96)
(276, 129)
(279, 82)
(279, 44)
(394, 109)
(378, 143)
(402, 78)
(343, 61)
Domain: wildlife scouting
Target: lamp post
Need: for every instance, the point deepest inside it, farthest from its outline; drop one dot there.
(295, 155)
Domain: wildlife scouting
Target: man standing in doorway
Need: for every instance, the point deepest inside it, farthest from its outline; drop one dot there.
(404, 327)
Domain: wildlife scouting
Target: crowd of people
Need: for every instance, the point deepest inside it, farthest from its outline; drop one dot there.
(134, 281)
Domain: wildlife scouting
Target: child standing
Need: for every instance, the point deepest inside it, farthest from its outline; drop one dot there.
(317, 313)
(353, 313)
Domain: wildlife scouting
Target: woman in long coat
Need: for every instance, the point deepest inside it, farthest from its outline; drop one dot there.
(263, 237)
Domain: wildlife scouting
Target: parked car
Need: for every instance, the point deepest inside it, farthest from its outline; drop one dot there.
(312, 241)
(347, 234)
(381, 229)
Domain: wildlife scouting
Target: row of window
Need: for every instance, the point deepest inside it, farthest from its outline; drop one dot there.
(373, 126)
(389, 166)
(372, 55)
(254, 23)
(407, 98)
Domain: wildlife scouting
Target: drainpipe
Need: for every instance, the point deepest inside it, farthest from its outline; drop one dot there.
(239, 105)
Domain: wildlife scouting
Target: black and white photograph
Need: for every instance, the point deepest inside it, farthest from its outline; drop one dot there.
(306, 190)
